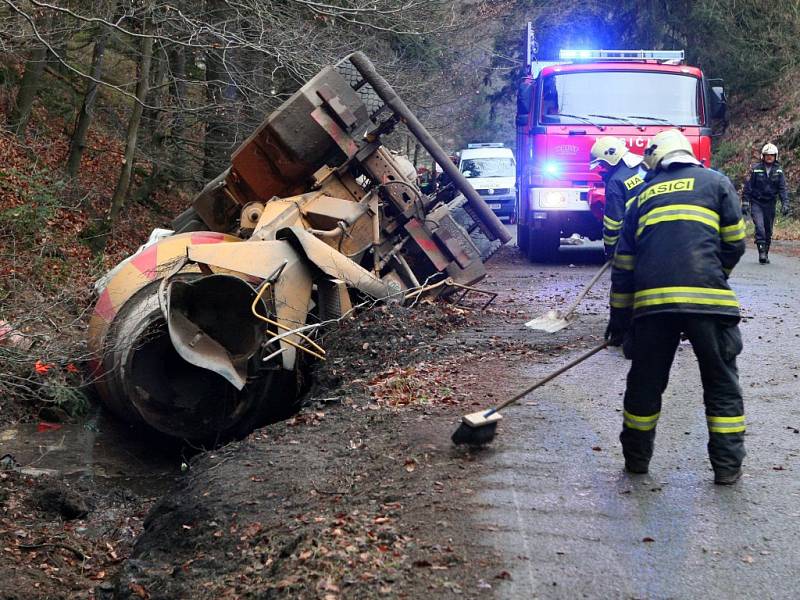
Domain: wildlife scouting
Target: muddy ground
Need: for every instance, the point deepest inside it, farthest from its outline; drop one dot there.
(361, 495)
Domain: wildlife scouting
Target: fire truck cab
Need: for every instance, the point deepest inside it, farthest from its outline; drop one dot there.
(564, 106)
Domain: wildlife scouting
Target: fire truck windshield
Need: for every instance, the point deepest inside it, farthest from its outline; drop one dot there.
(488, 167)
(622, 96)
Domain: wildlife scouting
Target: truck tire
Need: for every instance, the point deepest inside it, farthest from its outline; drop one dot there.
(543, 245)
(522, 237)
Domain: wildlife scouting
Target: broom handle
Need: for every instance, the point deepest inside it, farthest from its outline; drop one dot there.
(551, 376)
(585, 291)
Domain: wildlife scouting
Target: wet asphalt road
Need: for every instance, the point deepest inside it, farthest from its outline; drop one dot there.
(571, 524)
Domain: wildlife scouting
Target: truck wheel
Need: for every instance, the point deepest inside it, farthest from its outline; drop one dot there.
(543, 245)
(522, 237)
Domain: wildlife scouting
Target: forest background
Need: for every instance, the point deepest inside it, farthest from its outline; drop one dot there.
(115, 112)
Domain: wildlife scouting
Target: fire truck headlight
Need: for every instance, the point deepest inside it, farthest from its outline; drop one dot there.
(551, 168)
(553, 199)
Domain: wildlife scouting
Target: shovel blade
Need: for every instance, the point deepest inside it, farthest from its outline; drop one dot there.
(551, 322)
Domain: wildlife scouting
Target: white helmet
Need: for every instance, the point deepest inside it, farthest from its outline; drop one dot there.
(770, 149)
(670, 145)
(609, 150)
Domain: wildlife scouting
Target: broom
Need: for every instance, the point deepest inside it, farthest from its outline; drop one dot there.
(480, 427)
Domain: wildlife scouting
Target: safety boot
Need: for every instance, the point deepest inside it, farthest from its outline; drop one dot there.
(766, 253)
(729, 478)
(762, 253)
(637, 468)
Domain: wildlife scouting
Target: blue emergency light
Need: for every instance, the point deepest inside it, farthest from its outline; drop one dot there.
(659, 55)
(552, 168)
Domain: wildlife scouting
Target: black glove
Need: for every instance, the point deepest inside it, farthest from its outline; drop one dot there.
(745, 208)
(615, 335)
(619, 321)
(785, 210)
(617, 327)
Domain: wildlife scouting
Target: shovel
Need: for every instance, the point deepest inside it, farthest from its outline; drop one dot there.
(556, 320)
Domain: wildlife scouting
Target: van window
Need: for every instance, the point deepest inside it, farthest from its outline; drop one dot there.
(488, 167)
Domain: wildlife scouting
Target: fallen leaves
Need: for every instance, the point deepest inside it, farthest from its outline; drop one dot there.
(138, 590)
(42, 368)
(53, 554)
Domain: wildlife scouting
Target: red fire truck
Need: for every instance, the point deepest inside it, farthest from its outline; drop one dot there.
(564, 106)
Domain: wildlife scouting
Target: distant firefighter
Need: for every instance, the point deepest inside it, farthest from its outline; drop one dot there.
(763, 187)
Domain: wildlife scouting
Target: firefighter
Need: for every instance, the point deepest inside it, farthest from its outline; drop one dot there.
(764, 184)
(623, 174)
(682, 236)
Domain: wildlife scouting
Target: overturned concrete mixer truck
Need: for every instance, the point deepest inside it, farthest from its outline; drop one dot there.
(202, 333)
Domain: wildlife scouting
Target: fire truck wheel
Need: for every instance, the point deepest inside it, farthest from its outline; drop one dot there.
(543, 245)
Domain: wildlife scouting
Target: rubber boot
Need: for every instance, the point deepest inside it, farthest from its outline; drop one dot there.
(762, 253)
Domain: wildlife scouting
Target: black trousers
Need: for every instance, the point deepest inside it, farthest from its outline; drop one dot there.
(716, 342)
(763, 217)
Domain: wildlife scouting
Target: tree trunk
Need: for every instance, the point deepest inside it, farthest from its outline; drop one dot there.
(78, 143)
(182, 161)
(31, 80)
(155, 119)
(221, 124)
(142, 86)
(223, 93)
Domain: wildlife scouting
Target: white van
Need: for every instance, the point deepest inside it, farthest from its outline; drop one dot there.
(491, 169)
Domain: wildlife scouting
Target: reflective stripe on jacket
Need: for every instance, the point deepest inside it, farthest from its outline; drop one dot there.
(621, 186)
(681, 237)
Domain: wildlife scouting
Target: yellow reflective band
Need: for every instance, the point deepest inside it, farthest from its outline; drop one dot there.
(711, 214)
(685, 295)
(685, 289)
(738, 419)
(610, 223)
(758, 170)
(738, 429)
(677, 217)
(640, 423)
(632, 182)
(679, 212)
(631, 201)
(621, 300)
(685, 300)
(726, 424)
(625, 262)
(610, 240)
(733, 233)
(667, 187)
(734, 237)
(734, 227)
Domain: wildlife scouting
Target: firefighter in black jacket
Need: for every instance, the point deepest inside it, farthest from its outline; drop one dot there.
(623, 174)
(765, 183)
(681, 238)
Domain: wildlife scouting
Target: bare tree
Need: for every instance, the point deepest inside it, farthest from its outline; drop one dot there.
(132, 134)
